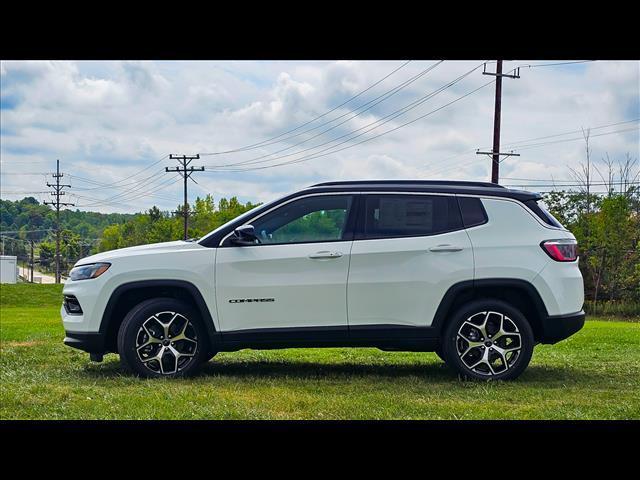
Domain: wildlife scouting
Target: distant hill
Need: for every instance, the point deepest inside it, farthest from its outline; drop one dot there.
(85, 233)
(29, 214)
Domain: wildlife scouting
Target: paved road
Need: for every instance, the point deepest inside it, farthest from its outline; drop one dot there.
(45, 278)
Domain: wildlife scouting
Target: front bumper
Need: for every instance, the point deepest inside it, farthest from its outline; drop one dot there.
(559, 327)
(93, 342)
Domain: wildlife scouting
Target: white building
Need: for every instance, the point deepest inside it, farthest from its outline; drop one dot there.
(8, 269)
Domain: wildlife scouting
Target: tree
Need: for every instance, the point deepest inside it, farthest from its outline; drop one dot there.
(607, 227)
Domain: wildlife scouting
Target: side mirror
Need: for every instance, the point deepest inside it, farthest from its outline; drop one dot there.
(244, 235)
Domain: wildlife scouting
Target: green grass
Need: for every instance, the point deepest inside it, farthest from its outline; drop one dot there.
(30, 295)
(592, 375)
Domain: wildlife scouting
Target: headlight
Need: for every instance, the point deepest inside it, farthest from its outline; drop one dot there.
(85, 272)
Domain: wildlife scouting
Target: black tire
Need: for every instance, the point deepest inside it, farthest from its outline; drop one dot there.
(438, 351)
(184, 322)
(493, 365)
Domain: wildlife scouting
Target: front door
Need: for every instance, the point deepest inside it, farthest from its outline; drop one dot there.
(296, 277)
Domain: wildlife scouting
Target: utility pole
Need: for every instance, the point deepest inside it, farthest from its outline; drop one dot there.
(495, 153)
(58, 192)
(31, 263)
(185, 170)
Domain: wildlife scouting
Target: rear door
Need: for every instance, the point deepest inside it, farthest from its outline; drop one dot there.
(408, 250)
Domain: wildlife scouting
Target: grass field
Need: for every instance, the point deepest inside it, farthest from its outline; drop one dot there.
(592, 375)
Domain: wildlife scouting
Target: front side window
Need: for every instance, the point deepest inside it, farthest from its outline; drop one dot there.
(309, 219)
(410, 215)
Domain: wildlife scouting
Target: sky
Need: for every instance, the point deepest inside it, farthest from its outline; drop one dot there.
(113, 125)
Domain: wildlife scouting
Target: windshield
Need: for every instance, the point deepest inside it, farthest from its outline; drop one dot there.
(239, 217)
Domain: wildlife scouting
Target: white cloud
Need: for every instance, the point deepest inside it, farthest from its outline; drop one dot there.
(108, 120)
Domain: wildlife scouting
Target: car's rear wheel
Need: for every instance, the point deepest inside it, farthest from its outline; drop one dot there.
(162, 337)
(488, 340)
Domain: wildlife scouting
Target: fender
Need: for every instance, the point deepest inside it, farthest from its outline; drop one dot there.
(200, 304)
(468, 289)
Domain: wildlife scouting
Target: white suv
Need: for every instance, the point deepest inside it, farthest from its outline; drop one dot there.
(473, 271)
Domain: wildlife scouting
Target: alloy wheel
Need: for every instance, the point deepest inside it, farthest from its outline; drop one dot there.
(488, 343)
(166, 343)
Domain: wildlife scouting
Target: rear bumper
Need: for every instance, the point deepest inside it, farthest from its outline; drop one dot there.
(559, 327)
(88, 342)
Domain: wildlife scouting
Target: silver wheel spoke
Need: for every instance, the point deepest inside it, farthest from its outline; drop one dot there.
(471, 346)
(484, 359)
(483, 327)
(502, 356)
(178, 354)
(152, 339)
(182, 336)
(157, 356)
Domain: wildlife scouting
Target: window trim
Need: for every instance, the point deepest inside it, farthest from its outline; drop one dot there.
(360, 227)
(359, 194)
(347, 234)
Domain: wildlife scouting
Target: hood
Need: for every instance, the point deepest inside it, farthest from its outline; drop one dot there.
(140, 249)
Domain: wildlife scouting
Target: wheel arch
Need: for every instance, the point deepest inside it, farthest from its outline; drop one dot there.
(520, 294)
(127, 295)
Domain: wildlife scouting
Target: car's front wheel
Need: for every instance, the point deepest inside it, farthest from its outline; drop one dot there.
(162, 337)
(488, 340)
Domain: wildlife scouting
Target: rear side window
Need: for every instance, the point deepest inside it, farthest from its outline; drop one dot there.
(542, 213)
(473, 212)
(410, 215)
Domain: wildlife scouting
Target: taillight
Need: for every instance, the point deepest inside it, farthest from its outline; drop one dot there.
(565, 250)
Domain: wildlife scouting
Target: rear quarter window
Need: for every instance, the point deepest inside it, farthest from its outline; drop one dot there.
(473, 213)
(542, 213)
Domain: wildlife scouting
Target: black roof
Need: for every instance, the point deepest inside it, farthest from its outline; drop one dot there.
(431, 186)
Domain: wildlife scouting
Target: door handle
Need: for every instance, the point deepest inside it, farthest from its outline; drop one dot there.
(445, 248)
(325, 254)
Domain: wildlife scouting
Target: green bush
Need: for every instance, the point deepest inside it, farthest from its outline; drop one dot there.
(613, 308)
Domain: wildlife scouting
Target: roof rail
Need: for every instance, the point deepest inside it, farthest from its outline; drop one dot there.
(410, 182)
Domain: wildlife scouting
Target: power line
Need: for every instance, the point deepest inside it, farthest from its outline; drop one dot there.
(130, 187)
(13, 192)
(574, 184)
(572, 131)
(473, 150)
(131, 176)
(535, 145)
(360, 110)
(261, 144)
(130, 196)
(553, 180)
(388, 118)
(382, 121)
(133, 192)
(554, 64)
(458, 165)
(4, 232)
